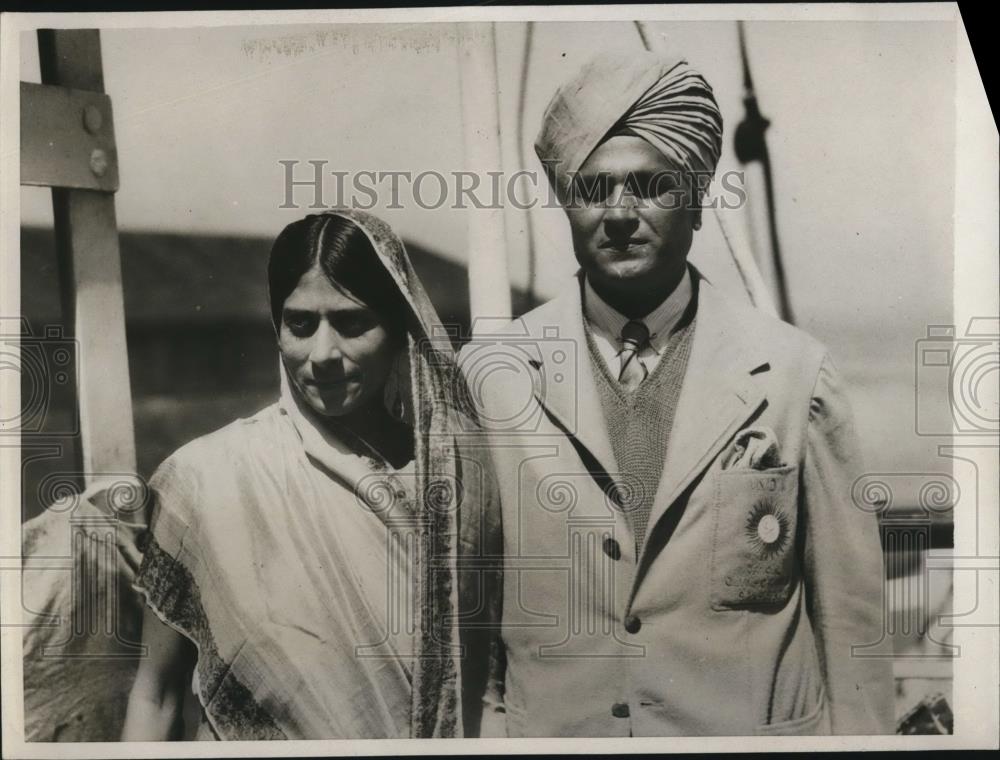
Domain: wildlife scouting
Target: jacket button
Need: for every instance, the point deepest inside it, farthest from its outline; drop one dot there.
(632, 624)
(619, 710)
(612, 549)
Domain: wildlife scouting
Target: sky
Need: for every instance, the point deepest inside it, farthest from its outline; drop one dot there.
(861, 138)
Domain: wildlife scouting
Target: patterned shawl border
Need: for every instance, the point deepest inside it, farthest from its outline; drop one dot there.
(435, 710)
(171, 592)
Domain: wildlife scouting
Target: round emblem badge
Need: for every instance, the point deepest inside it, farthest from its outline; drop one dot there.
(767, 528)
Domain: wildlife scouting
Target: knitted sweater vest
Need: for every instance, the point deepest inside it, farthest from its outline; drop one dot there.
(639, 424)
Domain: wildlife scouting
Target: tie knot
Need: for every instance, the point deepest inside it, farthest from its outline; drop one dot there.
(635, 334)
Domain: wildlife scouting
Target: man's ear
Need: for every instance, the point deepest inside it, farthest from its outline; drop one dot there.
(696, 218)
(695, 196)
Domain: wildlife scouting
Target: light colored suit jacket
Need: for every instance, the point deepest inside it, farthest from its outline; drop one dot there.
(756, 590)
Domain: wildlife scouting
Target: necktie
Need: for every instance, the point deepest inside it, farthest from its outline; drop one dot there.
(635, 337)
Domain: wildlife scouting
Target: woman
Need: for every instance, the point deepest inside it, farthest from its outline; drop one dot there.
(303, 565)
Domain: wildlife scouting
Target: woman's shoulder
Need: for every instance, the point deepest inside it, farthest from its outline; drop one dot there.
(211, 455)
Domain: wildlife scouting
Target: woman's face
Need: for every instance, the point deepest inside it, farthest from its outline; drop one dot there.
(336, 349)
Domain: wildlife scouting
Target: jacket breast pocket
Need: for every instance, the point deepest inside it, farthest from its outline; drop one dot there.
(753, 546)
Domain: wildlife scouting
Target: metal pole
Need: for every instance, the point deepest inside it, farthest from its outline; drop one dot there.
(751, 145)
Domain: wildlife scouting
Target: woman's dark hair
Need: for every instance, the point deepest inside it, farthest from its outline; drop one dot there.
(342, 251)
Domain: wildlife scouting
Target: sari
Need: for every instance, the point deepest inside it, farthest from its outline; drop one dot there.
(329, 596)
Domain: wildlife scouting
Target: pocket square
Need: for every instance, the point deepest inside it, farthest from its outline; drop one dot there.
(753, 449)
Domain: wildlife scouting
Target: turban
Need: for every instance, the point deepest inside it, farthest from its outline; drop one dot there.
(662, 100)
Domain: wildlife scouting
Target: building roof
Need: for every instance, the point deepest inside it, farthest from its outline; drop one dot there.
(198, 279)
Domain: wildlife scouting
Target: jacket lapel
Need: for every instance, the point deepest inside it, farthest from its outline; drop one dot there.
(718, 395)
(564, 384)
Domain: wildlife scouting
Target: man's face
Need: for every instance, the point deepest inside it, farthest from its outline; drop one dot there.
(631, 219)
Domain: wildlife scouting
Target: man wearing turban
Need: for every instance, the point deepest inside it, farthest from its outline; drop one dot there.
(682, 552)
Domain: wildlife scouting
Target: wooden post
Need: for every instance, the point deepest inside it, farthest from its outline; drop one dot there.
(489, 283)
(83, 185)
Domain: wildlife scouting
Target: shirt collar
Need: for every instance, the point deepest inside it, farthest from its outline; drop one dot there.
(660, 321)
